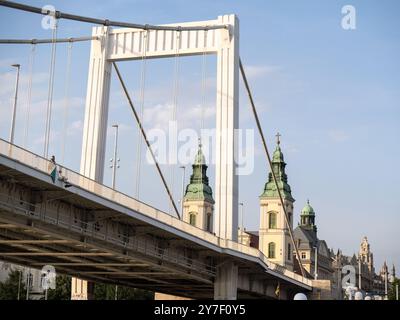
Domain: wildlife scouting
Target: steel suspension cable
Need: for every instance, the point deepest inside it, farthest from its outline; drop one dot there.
(175, 106)
(270, 163)
(66, 102)
(145, 40)
(105, 22)
(145, 139)
(50, 90)
(203, 81)
(44, 41)
(203, 93)
(29, 99)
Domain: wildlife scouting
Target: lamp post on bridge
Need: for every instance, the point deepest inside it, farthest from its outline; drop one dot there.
(316, 263)
(114, 166)
(359, 273)
(114, 160)
(183, 187)
(241, 216)
(14, 111)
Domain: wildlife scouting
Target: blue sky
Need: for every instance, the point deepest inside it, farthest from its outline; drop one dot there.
(332, 94)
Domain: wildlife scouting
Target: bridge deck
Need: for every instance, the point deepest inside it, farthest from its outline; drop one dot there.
(70, 226)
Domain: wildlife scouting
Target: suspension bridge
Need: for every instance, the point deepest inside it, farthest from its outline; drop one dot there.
(52, 215)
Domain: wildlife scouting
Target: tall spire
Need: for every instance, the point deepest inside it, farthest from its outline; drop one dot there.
(278, 165)
(278, 141)
(198, 188)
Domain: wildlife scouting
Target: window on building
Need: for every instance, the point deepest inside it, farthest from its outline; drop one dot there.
(192, 218)
(209, 222)
(289, 252)
(303, 255)
(271, 250)
(272, 220)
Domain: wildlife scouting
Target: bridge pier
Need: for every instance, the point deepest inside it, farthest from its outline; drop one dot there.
(226, 281)
(81, 289)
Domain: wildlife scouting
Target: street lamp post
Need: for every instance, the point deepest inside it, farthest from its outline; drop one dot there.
(28, 283)
(386, 285)
(14, 111)
(19, 284)
(183, 187)
(115, 160)
(114, 167)
(316, 263)
(241, 216)
(359, 273)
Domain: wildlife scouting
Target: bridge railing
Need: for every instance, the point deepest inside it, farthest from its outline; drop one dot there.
(30, 159)
(270, 265)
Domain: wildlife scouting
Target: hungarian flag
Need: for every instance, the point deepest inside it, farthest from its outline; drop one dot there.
(53, 174)
(278, 290)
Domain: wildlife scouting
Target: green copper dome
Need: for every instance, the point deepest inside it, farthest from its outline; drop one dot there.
(307, 217)
(278, 165)
(308, 210)
(198, 188)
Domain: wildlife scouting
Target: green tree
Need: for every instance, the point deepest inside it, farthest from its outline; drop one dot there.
(392, 289)
(62, 290)
(107, 292)
(9, 288)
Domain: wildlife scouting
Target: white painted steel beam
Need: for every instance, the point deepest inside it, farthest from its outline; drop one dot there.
(131, 44)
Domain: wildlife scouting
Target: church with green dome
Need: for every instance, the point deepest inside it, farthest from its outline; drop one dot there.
(273, 237)
(198, 201)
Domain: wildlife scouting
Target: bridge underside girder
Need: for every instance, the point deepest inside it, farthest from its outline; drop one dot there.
(43, 224)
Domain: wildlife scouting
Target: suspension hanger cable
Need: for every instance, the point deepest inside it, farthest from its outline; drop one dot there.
(105, 22)
(29, 98)
(175, 105)
(270, 164)
(50, 90)
(145, 139)
(66, 102)
(203, 81)
(203, 93)
(145, 40)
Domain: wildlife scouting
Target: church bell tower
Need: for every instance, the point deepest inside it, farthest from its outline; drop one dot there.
(275, 240)
(198, 202)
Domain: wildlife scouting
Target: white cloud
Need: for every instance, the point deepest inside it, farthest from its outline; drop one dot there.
(253, 71)
(75, 127)
(338, 135)
(159, 115)
(7, 81)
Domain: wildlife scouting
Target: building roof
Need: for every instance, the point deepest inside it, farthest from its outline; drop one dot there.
(308, 238)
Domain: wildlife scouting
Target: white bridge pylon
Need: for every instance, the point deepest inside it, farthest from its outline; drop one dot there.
(127, 44)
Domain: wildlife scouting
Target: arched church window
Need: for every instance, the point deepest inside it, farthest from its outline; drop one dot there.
(192, 218)
(289, 252)
(272, 217)
(271, 250)
(208, 222)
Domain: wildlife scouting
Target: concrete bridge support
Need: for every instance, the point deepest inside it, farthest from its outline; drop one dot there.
(226, 281)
